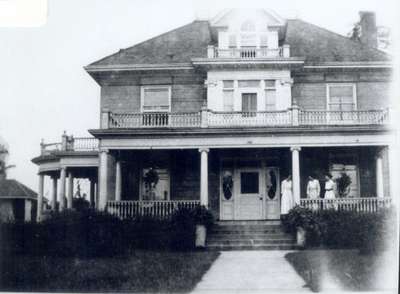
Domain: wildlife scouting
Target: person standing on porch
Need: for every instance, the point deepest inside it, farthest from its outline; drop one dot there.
(329, 190)
(313, 190)
(287, 201)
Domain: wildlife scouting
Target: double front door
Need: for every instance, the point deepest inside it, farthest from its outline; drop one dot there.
(255, 195)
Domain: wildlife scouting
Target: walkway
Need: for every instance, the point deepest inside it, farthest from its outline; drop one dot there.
(251, 271)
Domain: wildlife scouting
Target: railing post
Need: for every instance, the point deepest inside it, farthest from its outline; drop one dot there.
(210, 51)
(105, 118)
(295, 115)
(42, 146)
(64, 138)
(204, 117)
(286, 50)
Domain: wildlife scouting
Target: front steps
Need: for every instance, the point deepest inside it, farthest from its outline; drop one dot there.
(249, 235)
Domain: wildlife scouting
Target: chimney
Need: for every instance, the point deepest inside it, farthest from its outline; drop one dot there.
(369, 34)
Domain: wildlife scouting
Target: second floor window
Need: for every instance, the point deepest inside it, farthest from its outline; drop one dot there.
(228, 95)
(270, 95)
(341, 97)
(156, 98)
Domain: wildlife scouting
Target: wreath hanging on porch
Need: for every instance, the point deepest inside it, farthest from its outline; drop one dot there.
(151, 178)
(343, 185)
(227, 185)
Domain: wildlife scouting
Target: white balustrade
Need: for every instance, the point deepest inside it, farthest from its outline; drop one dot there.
(154, 120)
(154, 208)
(248, 53)
(250, 119)
(355, 117)
(363, 204)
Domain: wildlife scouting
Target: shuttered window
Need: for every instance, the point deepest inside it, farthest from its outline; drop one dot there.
(249, 102)
(156, 98)
(228, 95)
(341, 97)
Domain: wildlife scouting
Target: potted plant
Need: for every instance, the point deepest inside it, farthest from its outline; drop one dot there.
(298, 220)
(343, 185)
(203, 219)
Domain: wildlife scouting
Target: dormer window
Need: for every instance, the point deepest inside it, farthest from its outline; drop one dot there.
(156, 98)
(248, 26)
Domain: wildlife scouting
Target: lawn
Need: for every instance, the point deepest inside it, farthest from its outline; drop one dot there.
(140, 271)
(345, 269)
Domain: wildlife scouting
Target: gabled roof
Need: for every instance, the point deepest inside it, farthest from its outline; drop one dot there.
(176, 46)
(179, 46)
(318, 45)
(14, 189)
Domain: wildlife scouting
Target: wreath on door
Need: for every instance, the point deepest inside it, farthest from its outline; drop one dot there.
(227, 185)
(150, 180)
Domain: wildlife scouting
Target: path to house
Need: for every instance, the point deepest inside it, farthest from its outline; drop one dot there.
(237, 271)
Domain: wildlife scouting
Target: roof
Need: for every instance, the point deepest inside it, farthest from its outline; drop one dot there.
(179, 46)
(14, 189)
(319, 45)
(176, 46)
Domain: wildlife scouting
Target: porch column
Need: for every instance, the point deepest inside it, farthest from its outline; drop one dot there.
(204, 176)
(54, 194)
(118, 181)
(103, 185)
(70, 190)
(91, 197)
(379, 175)
(296, 173)
(40, 198)
(61, 195)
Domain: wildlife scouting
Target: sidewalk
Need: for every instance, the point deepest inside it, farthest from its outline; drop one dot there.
(251, 271)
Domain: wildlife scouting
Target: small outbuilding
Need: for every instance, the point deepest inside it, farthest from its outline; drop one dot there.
(17, 201)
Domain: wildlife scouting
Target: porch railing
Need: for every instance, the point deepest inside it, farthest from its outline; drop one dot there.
(69, 143)
(156, 208)
(370, 204)
(208, 118)
(355, 117)
(154, 120)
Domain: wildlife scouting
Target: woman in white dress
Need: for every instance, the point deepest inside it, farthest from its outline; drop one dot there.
(287, 201)
(313, 190)
(329, 190)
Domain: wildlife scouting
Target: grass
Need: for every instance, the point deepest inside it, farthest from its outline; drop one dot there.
(345, 269)
(141, 271)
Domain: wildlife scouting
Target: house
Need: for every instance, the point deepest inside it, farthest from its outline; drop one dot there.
(218, 112)
(17, 201)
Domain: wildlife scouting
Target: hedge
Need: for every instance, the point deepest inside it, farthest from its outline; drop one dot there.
(369, 232)
(89, 233)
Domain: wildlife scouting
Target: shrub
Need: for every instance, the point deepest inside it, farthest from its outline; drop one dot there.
(369, 232)
(183, 229)
(202, 216)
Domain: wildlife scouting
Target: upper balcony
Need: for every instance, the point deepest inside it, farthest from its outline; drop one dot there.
(292, 117)
(249, 52)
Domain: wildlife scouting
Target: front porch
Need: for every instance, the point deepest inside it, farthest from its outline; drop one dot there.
(187, 178)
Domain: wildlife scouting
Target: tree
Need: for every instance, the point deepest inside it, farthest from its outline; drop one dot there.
(355, 33)
(3, 162)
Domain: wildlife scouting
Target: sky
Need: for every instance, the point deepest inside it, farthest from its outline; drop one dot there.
(44, 89)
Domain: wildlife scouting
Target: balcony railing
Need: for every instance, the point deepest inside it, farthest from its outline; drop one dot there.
(155, 208)
(214, 119)
(248, 53)
(69, 143)
(370, 204)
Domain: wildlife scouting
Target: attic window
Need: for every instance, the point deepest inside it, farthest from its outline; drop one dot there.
(156, 98)
(248, 26)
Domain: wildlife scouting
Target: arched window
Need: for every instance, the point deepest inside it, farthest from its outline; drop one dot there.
(248, 26)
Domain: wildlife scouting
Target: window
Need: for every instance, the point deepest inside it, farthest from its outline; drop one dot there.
(270, 95)
(341, 97)
(232, 41)
(249, 183)
(156, 98)
(249, 103)
(228, 95)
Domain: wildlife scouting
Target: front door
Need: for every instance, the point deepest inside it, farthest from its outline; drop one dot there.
(249, 196)
(272, 198)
